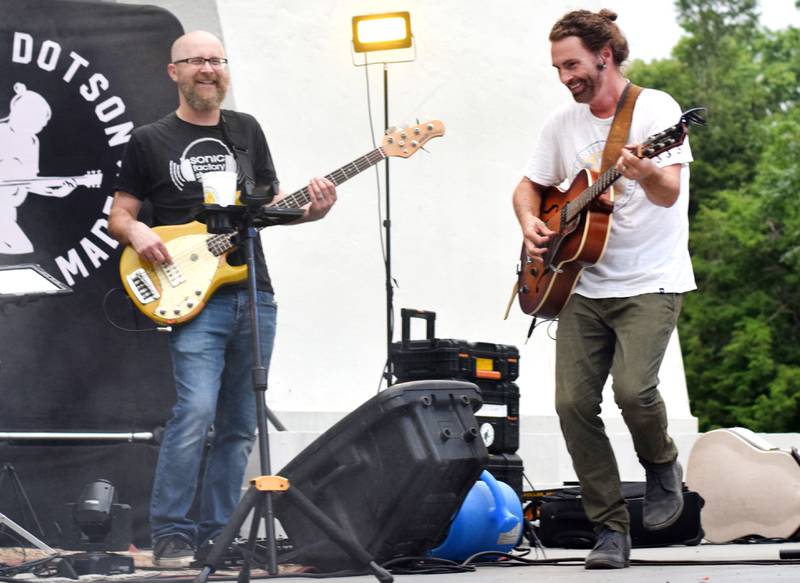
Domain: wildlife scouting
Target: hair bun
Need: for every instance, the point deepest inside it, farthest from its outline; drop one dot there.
(19, 88)
(608, 14)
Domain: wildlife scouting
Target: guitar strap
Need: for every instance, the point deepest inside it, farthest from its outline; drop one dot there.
(234, 136)
(621, 126)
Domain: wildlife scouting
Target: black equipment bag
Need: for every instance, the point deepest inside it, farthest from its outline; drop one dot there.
(564, 524)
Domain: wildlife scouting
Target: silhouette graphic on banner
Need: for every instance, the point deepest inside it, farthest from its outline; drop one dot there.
(28, 114)
(76, 77)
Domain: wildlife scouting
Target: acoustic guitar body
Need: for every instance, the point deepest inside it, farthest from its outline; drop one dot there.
(544, 288)
(749, 487)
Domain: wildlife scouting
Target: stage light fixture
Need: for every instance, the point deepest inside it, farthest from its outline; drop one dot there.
(92, 512)
(381, 32)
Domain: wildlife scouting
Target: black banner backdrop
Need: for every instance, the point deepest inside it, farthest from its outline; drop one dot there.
(75, 78)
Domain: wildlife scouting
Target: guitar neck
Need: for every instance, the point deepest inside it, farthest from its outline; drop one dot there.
(219, 244)
(603, 183)
(346, 172)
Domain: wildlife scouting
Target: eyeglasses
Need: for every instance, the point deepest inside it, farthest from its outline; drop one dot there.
(200, 61)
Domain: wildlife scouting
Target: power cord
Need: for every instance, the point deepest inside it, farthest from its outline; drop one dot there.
(123, 329)
(390, 332)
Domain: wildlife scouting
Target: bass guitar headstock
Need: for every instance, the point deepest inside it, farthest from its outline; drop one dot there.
(405, 142)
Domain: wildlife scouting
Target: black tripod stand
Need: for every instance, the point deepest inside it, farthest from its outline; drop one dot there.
(259, 496)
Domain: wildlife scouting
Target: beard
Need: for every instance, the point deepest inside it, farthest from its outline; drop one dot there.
(188, 89)
(590, 84)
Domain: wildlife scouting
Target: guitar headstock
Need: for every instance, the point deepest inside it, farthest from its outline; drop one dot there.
(92, 179)
(673, 136)
(404, 142)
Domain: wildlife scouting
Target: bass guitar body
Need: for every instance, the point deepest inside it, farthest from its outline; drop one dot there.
(545, 286)
(176, 293)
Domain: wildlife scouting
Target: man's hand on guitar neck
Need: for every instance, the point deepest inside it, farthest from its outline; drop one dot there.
(323, 197)
(661, 185)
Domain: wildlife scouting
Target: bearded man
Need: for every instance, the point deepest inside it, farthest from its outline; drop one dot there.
(623, 309)
(211, 355)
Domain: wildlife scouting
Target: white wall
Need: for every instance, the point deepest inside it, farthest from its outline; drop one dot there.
(482, 68)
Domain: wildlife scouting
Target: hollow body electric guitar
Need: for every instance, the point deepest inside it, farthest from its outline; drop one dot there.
(177, 292)
(581, 219)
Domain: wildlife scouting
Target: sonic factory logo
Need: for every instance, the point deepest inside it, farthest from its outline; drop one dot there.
(201, 156)
(56, 75)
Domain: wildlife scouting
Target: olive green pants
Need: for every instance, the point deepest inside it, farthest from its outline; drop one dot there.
(626, 337)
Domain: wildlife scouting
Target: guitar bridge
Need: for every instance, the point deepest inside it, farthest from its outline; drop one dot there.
(142, 286)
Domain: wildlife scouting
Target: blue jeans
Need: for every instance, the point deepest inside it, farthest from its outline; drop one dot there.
(212, 360)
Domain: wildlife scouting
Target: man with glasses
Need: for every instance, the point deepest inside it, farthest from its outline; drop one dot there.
(211, 355)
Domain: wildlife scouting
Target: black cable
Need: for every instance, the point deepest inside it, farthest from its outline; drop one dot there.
(375, 146)
(425, 566)
(117, 326)
(393, 282)
(518, 561)
(16, 537)
(25, 567)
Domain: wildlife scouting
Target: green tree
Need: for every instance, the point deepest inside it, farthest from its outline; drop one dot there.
(740, 332)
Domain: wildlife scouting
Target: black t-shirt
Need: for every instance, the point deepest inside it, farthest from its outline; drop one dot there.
(165, 160)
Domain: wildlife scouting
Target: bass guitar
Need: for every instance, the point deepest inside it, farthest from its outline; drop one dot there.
(581, 219)
(175, 293)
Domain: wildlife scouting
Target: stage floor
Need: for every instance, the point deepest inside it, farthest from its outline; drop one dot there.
(729, 563)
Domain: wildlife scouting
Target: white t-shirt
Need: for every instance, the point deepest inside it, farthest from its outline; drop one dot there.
(647, 249)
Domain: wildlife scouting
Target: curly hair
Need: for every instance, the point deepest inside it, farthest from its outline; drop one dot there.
(596, 30)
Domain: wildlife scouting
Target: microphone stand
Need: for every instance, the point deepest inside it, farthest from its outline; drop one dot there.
(259, 496)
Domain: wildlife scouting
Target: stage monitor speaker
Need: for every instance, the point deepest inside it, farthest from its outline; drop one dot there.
(392, 474)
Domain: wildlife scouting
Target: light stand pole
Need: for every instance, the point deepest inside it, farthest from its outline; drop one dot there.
(387, 226)
(385, 32)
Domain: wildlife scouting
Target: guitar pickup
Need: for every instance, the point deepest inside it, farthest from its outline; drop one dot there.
(142, 286)
(173, 274)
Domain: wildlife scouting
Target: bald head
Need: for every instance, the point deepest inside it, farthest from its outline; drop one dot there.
(201, 87)
(196, 43)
